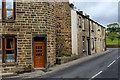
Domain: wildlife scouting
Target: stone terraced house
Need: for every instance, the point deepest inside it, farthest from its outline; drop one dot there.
(36, 32)
(88, 36)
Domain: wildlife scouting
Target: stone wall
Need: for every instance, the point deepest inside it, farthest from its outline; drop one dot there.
(39, 18)
(83, 33)
(92, 35)
(103, 39)
(32, 18)
(63, 28)
(74, 32)
(98, 36)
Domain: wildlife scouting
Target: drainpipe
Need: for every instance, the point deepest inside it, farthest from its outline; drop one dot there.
(89, 32)
(89, 39)
(89, 35)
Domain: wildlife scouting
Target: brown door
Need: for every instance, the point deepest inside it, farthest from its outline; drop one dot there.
(39, 55)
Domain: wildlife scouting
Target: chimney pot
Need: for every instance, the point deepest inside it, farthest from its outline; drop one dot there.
(81, 12)
(87, 15)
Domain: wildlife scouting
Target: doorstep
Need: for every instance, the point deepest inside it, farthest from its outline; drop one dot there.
(41, 68)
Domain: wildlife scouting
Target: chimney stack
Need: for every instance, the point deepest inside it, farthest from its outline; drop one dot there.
(87, 15)
(81, 12)
(72, 5)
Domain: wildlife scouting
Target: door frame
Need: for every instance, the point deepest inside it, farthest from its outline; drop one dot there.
(88, 46)
(45, 47)
(95, 45)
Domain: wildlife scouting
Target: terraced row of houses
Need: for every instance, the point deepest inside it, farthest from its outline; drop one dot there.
(88, 36)
(36, 33)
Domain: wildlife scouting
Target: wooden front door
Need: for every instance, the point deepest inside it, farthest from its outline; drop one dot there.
(39, 54)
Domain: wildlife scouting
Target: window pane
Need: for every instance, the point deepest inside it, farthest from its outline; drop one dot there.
(9, 56)
(9, 14)
(83, 24)
(0, 43)
(9, 44)
(0, 14)
(0, 56)
(91, 26)
(83, 39)
(79, 21)
(0, 3)
(83, 44)
(92, 44)
(9, 4)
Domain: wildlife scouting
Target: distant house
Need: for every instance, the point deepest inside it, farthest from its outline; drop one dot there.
(118, 33)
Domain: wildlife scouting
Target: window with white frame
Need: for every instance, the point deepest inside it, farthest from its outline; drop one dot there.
(98, 42)
(91, 25)
(79, 21)
(83, 43)
(98, 31)
(83, 26)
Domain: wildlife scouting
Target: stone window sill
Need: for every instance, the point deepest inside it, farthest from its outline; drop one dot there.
(83, 30)
(79, 26)
(84, 51)
(92, 30)
(3, 21)
(8, 64)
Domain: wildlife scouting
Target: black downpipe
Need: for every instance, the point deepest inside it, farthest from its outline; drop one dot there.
(89, 40)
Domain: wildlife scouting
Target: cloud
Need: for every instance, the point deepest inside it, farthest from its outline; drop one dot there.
(94, 0)
(102, 12)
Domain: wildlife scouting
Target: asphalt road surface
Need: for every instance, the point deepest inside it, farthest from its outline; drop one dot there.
(105, 67)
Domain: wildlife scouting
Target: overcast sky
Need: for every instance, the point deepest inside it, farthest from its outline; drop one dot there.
(102, 12)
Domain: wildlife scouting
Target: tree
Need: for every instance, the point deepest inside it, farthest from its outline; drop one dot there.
(111, 35)
(113, 30)
(113, 27)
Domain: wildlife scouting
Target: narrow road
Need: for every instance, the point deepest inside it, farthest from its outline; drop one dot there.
(99, 68)
(105, 66)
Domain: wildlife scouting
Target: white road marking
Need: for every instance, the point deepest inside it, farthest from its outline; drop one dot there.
(118, 57)
(111, 63)
(97, 74)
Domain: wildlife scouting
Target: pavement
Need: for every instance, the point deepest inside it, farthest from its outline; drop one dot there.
(55, 69)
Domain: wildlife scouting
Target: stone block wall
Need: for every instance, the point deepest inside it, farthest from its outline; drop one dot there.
(103, 39)
(39, 18)
(92, 35)
(83, 33)
(98, 37)
(63, 28)
(74, 31)
(32, 18)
